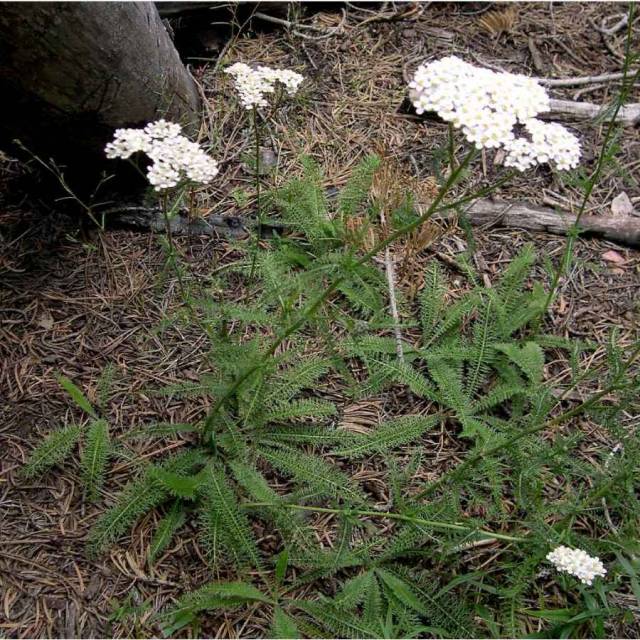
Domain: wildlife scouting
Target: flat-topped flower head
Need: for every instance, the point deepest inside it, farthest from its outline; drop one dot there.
(578, 563)
(253, 85)
(174, 157)
(489, 106)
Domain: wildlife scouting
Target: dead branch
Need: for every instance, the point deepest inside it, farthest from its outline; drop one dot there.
(628, 115)
(483, 213)
(621, 24)
(576, 82)
(287, 24)
(524, 215)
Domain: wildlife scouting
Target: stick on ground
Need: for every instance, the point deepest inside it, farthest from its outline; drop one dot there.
(524, 215)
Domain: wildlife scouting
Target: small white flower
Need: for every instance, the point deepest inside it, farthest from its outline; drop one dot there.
(126, 142)
(253, 85)
(174, 157)
(162, 129)
(578, 563)
(487, 105)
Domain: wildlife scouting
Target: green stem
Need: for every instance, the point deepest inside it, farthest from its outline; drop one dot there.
(173, 259)
(172, 247)
(331, 288)
(567, 415)
(436, 524)
(258, 204)
(452, 152)
(593, 179)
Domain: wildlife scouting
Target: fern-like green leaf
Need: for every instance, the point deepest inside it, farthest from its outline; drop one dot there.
(290, 434)
(305, 408)
(177, 485)
(291, 380)
(353, 195)
(388, 435)
(217, 595)
(52, 450)
(334, 620)
(139, 496)
(354, 591)
(401, 590)
(313, 472)
(165, 531)
(95, 456)
(529, 357)
(223, 501)
(283, 626)
(431, 300)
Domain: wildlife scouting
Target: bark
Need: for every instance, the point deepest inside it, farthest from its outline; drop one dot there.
(72, 72)
(523, 215)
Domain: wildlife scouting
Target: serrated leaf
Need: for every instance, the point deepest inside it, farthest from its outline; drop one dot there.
(52, 450)
(178, 485)
(224, 503)
(401, 590)
(217, 595)
(95, 456)
(165, 531)
(312, 471)
(76, 395)
(388, 435)
(283, 626)
(139, 496)
(530, 358)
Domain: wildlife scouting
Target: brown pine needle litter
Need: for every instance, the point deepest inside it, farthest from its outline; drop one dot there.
(71, 305)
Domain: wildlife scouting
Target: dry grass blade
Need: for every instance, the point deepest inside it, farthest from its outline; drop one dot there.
(499, 21)
(361, 417)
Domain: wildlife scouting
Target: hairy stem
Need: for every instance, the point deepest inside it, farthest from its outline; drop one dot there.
(593, 178)
(331, 288)
(505, 444)
(436, 524)
(258, 185)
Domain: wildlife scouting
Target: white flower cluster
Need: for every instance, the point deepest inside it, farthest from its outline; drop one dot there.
(549, 142)
(578, 563)
(253, 85)
(487, 106)
(175, 157)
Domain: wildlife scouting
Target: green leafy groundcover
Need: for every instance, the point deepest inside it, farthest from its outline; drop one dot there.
(270, 450)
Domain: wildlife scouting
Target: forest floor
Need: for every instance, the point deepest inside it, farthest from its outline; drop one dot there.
(73, 303)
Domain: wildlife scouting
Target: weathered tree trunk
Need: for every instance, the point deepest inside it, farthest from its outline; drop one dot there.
(71, 72)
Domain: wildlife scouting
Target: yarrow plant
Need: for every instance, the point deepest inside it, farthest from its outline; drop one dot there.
(174, 157)
(253, 84)
(578, 563)
(489, 107)
(477, 360)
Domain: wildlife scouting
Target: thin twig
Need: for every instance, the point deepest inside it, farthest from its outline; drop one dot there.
(326, 33)
(621, 24)
(575, 82)
(393, 306)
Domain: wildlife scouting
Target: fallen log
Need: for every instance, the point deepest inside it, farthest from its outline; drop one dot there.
(482, 213)
(628, 115)
(524, 215)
